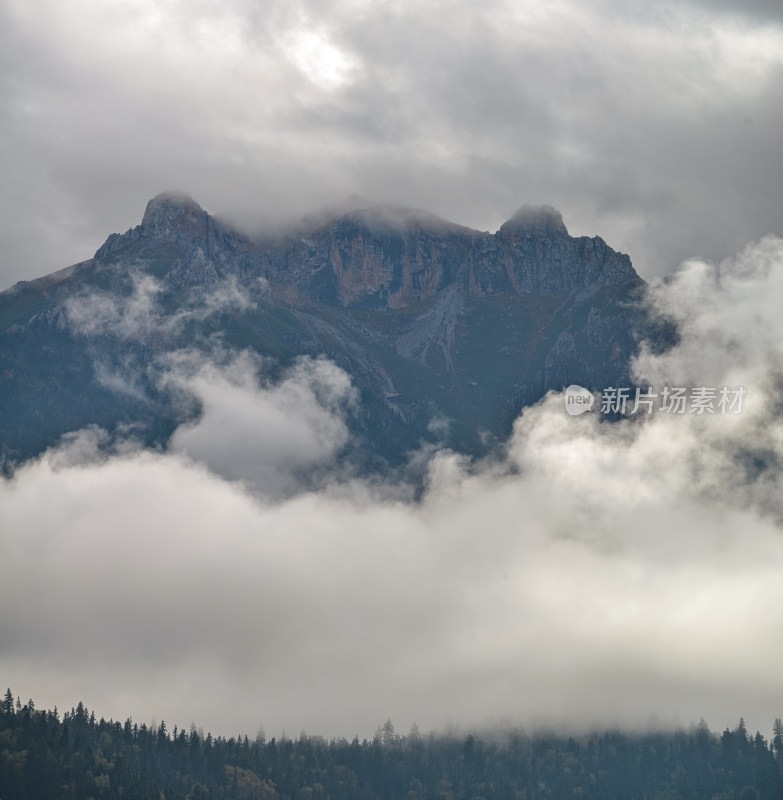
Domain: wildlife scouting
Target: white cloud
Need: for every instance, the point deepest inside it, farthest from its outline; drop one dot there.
(320, 61)
(148, 586)
(266, 435)
(139, 315)
(93, 313)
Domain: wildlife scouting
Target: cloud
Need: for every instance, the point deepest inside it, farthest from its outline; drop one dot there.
(597, 573)
(275, 435)
(272, 436)
(730, 336)
(92, 313)
(652, 127)
(139, 315)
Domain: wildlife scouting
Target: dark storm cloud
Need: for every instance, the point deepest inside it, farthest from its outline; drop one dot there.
(654, 128)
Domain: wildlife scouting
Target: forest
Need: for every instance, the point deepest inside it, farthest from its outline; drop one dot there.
(74, 756)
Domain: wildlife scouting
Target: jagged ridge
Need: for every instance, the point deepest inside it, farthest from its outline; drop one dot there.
(378, 257)
(429, 318)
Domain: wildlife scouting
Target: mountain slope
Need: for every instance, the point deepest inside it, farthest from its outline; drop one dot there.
(441, 328)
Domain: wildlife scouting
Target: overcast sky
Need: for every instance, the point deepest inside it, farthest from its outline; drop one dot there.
(654, 125)
(593, 574)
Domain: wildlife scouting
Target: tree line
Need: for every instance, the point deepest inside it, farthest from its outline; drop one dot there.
(46, 756)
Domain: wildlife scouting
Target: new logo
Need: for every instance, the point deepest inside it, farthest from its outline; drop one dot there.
(578, 400)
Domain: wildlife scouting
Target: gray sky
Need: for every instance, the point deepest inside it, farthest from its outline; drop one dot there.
(656, 126)
(596, 574)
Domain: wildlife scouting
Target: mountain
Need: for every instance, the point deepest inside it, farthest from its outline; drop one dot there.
(432, 321)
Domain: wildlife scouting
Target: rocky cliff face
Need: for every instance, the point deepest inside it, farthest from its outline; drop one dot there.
(543, 258)
(382, 257)
(430, 319)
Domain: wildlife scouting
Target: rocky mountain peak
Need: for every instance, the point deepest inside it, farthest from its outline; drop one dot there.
(470, 325)
(173, 214)
(534, 221)
(375, 256)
